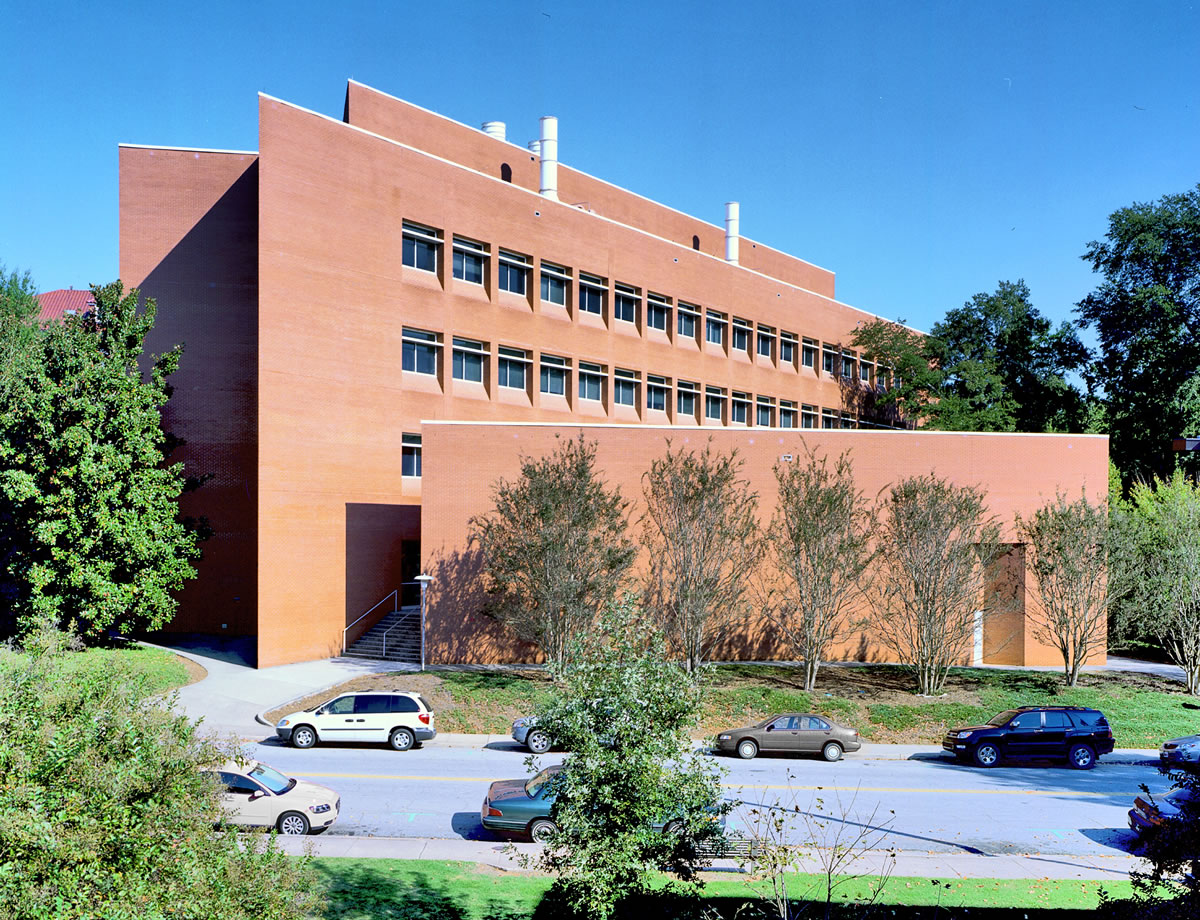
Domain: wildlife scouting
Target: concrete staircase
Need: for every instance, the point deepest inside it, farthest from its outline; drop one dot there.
(403, 628)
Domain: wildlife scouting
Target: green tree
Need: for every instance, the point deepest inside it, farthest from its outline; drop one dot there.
(555, 549)
(910, 381)
(18, 326)
(626, 714)
(1146, 316)
(90, 533)
(701, 535)
(105, 813)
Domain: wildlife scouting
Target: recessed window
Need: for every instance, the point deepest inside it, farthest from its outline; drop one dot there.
(848, 421)
(828, 359)
(865, 370)
(591, 294)
(741, 335)
(808, 353)
(510, 368)
(625, 303)
(829, 418)
(469, 260)
(420, 246)
(766, 342)
(625, 385)
(468, 357)
(714, 328)
(658, 389)
(512, 272)
(685, 398)
(419, 351)
(765, 417)
(808, 416)
(739, 408)
(689, 316)
(714, 403)
(410, 455)
(554, 375)
(658, 312)
(555, 281)
(848, 365)
(787, 414)
(591, 381)
(883, 378)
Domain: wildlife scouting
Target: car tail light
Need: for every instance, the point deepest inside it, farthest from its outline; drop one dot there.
(494, 812)
(424, 717)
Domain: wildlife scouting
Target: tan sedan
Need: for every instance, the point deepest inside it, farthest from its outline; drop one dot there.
(256, 795)
(790, 733)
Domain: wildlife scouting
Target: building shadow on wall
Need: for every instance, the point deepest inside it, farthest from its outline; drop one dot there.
(382, 554)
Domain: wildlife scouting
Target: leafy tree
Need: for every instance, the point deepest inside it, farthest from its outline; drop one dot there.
(931, 583)
(819, 546)
(555, 548)
(1067, 543)
(1146, 315)
(626, 714)
(89, 526)
(105, 813)
(701, 533)
(18, 326)
(912, 381)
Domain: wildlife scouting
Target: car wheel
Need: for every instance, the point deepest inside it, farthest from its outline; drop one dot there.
(303, 736)
(987, 755)
(542, 829)
(747, 749)
(538, 742)
(401, 739)
(293, 824)
(1082, 757)
(832, 751)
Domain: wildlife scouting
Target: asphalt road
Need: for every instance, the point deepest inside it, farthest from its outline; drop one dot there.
(928, 805)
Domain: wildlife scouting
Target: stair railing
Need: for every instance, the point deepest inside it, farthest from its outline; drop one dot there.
(395, 593)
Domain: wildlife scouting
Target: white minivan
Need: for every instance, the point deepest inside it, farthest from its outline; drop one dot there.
(392, 717)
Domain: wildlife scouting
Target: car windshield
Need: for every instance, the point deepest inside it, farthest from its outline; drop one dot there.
(1003, 718)
(271, 778)
(534, 786)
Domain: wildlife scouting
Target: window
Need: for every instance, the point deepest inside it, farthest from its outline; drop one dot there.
(555, 281)
(511, 368)
(829, 418)
(739, 408)
(468, 359)
(848, 420)
(658, 312)
(741, 335)
(714, 328)
(808, 416)
(808, 354)
(787, 414)
(469, 259)
(591, 381)
(554, 375)
(689, 316)
(714, 403)
(420, 247)
(591, 294)
(766, 342)
(848, 365)
(625, 303)
(657, 391)
(883, 378)
(410, 455)
(865, 370)
(828, 359)
(766, 412)
(419, 351)
(512, 272)
(685, 398)
(625, 387)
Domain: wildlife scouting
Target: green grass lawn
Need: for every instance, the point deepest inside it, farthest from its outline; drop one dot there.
(366, 889)
(159, 669)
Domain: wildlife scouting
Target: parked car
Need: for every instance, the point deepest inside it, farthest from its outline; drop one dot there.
(1072, 733)
(526, 732)
(1150, 810)
(791, 733)
(372, 716)
(257, 795)
(1180, 751)
(523, 807)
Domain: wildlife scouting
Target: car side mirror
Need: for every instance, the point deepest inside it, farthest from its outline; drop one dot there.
(770, 728)
(257, 795)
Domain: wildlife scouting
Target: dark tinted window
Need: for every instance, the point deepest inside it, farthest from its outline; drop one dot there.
(403, 704)
(370, 703)
(239, 785)
(425, 703)
(1027, 721)
(1057, 720)
(1089, 718)
(1001, 718)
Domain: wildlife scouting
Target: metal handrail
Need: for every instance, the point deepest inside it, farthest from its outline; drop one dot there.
(394, 593)
(383, 652)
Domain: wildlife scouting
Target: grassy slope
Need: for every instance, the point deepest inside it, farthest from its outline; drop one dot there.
(160, 669)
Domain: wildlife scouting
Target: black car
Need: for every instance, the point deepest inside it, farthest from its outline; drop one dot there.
(1071, 733)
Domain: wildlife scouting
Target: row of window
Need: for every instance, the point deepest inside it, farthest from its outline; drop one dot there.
(422, 247)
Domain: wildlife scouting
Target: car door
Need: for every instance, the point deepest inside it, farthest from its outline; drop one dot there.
(373, 716)
(780, 735)
(1021, 736)
(246, 802)
(337, 721)
(814, 732)
(1052, 740)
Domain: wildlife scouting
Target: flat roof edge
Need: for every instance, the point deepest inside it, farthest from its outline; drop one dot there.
(704, 429)
(253, 153)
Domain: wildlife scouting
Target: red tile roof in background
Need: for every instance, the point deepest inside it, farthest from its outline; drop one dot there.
(56, 304)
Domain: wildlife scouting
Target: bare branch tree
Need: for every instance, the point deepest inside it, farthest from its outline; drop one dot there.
(555, 548)
(819, 545)
(1067, 543)
(937, 546)
(700, 529)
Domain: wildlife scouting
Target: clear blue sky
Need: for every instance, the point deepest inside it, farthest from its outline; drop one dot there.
(922, 151)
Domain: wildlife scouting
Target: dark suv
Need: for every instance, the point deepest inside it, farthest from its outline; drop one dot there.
(1070, 733)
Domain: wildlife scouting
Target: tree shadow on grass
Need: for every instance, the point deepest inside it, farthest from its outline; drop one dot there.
(369, 891)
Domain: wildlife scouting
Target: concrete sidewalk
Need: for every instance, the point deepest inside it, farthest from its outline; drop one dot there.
(907, 863)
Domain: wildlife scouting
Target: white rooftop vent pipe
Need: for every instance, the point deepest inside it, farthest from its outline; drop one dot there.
(535, 147)
(549, 151)
(493, 129)
(731, 232)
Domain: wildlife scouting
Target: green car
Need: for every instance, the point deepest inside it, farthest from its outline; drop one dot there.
(522, 806)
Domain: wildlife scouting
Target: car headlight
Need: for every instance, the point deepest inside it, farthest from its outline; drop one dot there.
(963, 735)
(319, 809)
(724, 737)
(522, 722)
(283, 723)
